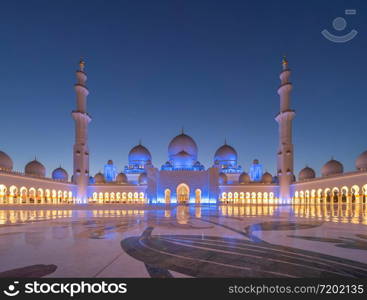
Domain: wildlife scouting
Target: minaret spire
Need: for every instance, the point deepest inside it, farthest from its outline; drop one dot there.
(285, 148)
(80, 149)
(284, 63)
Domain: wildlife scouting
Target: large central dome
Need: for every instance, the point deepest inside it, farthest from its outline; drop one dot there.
(183, 143)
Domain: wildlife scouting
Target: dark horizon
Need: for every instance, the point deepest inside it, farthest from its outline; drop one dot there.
(155, 67)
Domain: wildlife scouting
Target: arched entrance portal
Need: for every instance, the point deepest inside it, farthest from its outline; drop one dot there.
(183, 193)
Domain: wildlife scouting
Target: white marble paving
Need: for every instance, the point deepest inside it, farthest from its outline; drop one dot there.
(86, 242)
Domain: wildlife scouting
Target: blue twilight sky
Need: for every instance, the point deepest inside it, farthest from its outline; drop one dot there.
(155, 66)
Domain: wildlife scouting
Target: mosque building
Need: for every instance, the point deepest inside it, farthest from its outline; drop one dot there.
(183, 179)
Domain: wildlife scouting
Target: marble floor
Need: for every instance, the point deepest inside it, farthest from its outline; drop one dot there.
(183, 241)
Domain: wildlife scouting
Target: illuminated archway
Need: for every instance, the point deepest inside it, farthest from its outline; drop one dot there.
(307, 197)
(53, 196)
(335, 195)
(59, 197)
(142, 197)
(313, 196)
(235, 195)
(248, 198)
(183, 193)
(32, 195)
(344, 194)
(355, 193)
(129, 197)
(197, 196)
(167, 196)
(319, 195)
(224, 197)
(40, 196)
(65, 196)
(48, 195)
(106, 197)
(23, 194)
(242, 197)
(327, 195)
(13, 194)
(259, 197)
(296, 197)
(3, 191)
(364, 191)
(230, 198)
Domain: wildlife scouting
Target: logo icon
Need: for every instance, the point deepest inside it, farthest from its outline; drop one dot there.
(340, 24)
(12, 291)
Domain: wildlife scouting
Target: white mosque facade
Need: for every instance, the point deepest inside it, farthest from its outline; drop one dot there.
(183, 179)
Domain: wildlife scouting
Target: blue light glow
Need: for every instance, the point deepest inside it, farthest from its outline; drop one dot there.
(110, 173)
(256, 172)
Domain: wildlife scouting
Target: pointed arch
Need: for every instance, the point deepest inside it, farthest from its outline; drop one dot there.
(183, 193)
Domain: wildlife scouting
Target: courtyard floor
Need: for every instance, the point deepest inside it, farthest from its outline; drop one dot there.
(183, 241)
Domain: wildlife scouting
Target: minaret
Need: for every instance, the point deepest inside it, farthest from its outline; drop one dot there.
(285, 150)
(81, 150)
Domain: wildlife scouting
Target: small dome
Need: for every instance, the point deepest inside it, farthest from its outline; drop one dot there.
(184, 143)
(5, 161)
(361, 161)
(267, 178)
(60, 174)
(222, 178)
(99, 178)
(332, 167)
(35, 168)
(121, 178)
(110, 162)
(226, 155)
(139, 155)
(143, 178)
(306, 173)
(244, 178)
(91, 180)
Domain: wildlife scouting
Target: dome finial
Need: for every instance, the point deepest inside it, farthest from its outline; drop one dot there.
(140, 141)
(284, 62)
(81, 64)
(182, 130)
(225, 141)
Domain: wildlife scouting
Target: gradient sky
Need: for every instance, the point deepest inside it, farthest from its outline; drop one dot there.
(155, 66)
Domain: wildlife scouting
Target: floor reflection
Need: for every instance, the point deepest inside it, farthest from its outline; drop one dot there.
(338, 213)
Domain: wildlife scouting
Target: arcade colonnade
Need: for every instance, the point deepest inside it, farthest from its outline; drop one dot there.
(344, 194)
(23, 195)
(118, 197)
(248, 198)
